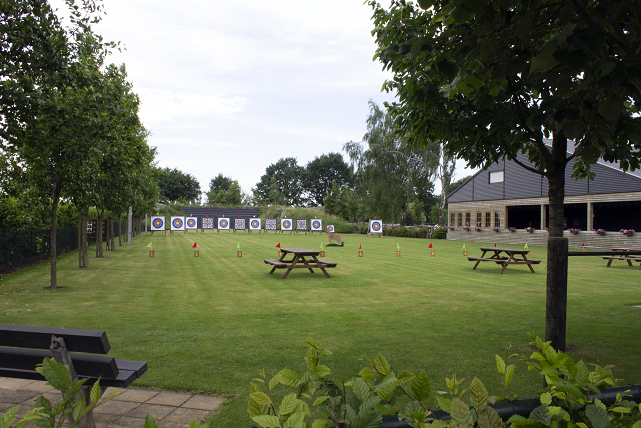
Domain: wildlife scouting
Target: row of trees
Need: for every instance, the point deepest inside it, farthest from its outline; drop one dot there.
(70, 130)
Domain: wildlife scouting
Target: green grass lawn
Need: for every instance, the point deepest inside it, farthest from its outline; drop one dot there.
(210, 323)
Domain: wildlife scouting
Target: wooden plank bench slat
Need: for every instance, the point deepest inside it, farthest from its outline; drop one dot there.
(325, 263)
(487, 259)
(634, 259)
(90, 341)
(87, 365)
(275, 263)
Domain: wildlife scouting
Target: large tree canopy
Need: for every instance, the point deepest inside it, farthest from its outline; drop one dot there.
(493, 79)
(177, 186)
(321, 172)
(282, 183)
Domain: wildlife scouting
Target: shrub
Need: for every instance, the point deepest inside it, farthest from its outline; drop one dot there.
(440, 233)
(363, 229)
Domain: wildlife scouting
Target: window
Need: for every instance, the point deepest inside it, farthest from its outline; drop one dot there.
(488, 219)
(478, 219)
(467, 219)
(460, 219)
(496, 177)
(452, 219)
(497, 219)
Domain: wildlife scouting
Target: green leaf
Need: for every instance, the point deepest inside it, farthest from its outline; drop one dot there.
(267, 421)
(57, 374)
(94, 395)
(193, 424)
(320, 371)
(150, 422)
(509, 372)
(500, 364)
(78, 408)
(296, 420)
(488, 418)
(611, 107)
(288, 404)
(479, 395)
(518, 420)
(545, 60)
(289, 377)
(461, 414)
(273, 382)
(597, 416)
(381, 365)
(541, 415)
(444, 403)
(421, 387)
(367, 404)
(49, 421)
(261, 398)
(321, 423)
(425, 4)
(9, 417)
(404, 376)
(361, 389)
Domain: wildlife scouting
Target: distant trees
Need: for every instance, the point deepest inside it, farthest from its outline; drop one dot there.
(282, 183)
(224, 191)
(177, 186)
(322, 173)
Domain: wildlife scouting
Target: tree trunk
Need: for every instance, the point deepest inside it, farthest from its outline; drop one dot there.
(100, 240)
(120, 230)
(557, 258)
(52, 243)
(85, 241)
(80, 240)
(111, 229)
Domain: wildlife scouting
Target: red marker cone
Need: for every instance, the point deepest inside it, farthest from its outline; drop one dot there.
(360, 247)
(495, 245)
(194, 246)
(278, 246)
(430, 246)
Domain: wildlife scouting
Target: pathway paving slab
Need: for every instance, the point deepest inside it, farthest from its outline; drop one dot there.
(182, 416)
(11, 383)
(204, 402)
(137, 395)
(155, 410)
(113, 407)
(16, 396)
(169, 399)
(127, 422)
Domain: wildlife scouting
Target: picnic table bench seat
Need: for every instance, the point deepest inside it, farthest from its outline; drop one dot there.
(628, 259)
(325, 263)
(487, 259)
(24, 347)
(276, 263)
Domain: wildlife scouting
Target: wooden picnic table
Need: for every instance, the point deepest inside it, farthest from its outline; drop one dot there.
(302, 259)
(505, 257)
(628, 258)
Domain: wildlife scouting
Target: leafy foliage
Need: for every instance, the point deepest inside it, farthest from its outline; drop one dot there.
(177, 186)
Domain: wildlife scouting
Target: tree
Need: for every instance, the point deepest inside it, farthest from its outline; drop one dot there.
(282, 183)
(177, 186)
(393, 172)
(493, 79)
(217, 184)
(321, 172)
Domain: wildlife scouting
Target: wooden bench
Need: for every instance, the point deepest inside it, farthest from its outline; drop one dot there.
(629, 259)
(325, 263)
(22, 348)
(487, 259)
(275, 263)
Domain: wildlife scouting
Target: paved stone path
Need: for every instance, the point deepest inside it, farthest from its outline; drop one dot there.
(128, 409)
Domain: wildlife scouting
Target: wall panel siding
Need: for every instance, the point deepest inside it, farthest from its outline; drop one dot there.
(483, 190)
(572, 186)
(521, 183)
(609, 180)
(464, 193)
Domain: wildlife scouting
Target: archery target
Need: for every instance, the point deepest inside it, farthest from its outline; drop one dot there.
(270, 224)
(239, 224)
(285, 224)
(254, 224)
(178, 223)
(301, 224)
(376, 226)
(157, 223)
(208, 223)
(191, 223)
(223, 223)
(330, 227)
(317, 225)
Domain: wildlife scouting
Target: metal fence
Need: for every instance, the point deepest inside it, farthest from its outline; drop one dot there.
(21, 247)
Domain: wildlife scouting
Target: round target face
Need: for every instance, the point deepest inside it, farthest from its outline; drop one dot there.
(287, 224)
(316, 224)
(158, 223)
(376, 226)
(255, 224)
(178, 223)
(223, 223)
(191, 222)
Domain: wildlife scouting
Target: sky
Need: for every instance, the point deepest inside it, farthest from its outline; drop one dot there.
(231, 87)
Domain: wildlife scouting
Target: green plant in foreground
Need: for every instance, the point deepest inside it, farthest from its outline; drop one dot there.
(44, 415)
(377, 391)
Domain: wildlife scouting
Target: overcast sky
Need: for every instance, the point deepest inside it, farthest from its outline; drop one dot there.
(231, 87)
